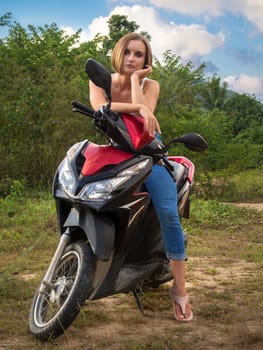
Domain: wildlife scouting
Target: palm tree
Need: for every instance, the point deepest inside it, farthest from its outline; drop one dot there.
(213, 94)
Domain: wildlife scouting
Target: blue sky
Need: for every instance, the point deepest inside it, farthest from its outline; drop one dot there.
(227, 34)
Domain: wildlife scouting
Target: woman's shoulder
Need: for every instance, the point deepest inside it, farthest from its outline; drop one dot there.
(149, 83)
(114, 75)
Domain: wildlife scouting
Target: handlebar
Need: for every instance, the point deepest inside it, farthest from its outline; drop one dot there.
(83, 109)
(109, 123)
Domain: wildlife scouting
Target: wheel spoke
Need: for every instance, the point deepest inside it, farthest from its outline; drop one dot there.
(50, 303)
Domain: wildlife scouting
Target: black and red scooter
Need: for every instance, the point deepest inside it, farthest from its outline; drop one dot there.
(110, 239)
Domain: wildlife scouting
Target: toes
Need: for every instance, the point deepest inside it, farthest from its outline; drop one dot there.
(179, 312)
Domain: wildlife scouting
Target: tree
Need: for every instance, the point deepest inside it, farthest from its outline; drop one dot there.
(178, 83)
(246, 112)
(213, 94)
(92, 49)
(119, 25)
(5, 20)
(37, 82)
(42, 71)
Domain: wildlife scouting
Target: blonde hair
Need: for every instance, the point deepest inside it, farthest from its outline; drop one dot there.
(120, 47)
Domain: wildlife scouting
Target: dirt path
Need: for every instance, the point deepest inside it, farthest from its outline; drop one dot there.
(257, 206)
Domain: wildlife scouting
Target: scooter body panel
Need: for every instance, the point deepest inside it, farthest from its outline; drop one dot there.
(99, 230)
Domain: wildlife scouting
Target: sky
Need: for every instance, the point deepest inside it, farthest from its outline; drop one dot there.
(225, 34)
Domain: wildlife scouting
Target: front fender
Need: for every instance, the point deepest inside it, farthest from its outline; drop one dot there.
(100, 230)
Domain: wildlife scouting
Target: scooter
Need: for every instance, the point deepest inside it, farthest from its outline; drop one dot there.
(110, 240)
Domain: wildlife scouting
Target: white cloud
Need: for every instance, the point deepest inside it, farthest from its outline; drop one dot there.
(187, 41)
(98, 25)
(192, 7)
(250, 9)
(246, 84)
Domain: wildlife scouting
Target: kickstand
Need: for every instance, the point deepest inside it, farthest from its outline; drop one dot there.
(136, 296)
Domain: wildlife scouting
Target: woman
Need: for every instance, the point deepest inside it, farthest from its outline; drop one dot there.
(133, 92)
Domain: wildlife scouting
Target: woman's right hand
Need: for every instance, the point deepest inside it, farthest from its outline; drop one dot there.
(151, 123)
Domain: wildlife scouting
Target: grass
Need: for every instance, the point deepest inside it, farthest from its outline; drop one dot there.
(224, 280)
(231, 185)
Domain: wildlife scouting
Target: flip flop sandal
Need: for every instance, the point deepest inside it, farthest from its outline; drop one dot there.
(182, 302)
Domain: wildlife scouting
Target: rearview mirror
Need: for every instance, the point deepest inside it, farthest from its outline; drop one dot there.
(192, 141)
(99, 75)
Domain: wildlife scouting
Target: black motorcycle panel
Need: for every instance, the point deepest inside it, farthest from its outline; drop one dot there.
(100, 230)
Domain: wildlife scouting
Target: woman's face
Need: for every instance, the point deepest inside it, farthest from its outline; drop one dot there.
(134, 56)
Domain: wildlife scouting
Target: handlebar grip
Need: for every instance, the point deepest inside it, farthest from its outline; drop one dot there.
(81, 108)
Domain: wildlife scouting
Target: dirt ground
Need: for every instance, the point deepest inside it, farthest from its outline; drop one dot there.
(115, 323)
(210, 330)
(226, 298)
(257, 206)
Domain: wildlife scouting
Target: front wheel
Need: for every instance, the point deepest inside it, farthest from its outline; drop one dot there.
(53, 310)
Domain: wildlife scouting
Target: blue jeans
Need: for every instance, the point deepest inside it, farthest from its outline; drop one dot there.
(163, 192)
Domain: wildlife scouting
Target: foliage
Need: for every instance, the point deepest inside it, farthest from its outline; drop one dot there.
(247, 113)
(5, 19)
(178, 83)
(212, 95)
(118, 26)
(39, 80)
(42, 70)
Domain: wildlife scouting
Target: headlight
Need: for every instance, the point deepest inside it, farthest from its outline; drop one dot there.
(67, 178)
(104, 190)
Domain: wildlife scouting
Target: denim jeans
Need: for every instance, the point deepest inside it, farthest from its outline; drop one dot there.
(163, 192)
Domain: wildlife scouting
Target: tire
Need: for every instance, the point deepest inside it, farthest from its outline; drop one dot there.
(53, 312)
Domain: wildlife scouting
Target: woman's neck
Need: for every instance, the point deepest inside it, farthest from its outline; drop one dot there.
(121, 80)
(121, 88)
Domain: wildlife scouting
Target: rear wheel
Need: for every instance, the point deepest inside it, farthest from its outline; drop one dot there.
(53, 310)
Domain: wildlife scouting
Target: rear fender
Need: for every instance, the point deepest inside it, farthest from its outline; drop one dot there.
(100, 230)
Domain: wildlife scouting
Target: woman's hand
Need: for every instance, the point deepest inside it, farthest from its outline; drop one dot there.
(151, 123)
(142, 73)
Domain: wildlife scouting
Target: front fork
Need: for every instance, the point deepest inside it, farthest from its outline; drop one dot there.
(47, 280)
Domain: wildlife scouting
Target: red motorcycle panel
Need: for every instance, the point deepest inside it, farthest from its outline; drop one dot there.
(99, 156)
(135, 126)
(187, 163)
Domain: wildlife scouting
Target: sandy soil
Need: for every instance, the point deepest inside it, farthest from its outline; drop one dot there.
(258, 206)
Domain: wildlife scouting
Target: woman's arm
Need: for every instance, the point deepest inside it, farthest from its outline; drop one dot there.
(97, 99)
(97, 96)
(147, 96)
